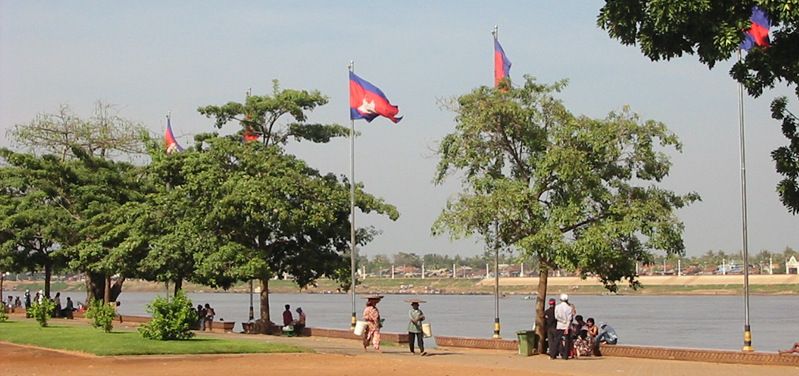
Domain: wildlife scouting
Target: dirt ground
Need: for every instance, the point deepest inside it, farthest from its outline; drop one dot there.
(346, 357)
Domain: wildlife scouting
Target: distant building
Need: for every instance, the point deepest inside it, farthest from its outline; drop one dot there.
(792, 266)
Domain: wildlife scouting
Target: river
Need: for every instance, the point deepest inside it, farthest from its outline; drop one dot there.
(708, 322)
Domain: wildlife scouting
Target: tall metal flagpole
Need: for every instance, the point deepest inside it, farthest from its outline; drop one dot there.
(495, 32)
(251, 313)
(747, 330)
(351, 68)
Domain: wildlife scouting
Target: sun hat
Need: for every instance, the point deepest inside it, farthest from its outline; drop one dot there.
(415, 301)
(374, 297)
(564, 297)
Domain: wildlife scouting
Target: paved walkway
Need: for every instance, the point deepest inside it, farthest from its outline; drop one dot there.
(504, 360)
(346, 357)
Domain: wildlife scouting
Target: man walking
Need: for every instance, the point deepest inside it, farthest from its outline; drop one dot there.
(549, 325)
(564, 313)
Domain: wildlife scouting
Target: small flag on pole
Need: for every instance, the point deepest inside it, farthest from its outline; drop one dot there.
(757, 34)
(501, 64)
(169, 139)
(368, 102)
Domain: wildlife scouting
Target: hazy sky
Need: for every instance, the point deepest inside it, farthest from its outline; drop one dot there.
(151, 57)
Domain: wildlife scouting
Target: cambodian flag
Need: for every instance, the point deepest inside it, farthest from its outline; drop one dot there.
(757, 34)
(368, 102)
(501, 64)
(169, 139)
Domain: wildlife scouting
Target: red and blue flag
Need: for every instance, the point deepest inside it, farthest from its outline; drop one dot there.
(169, 139)
(757, 34)
(501, 64)
(368, 102)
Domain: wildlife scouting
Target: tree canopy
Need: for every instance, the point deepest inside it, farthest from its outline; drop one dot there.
(714, 30)
(573, 192)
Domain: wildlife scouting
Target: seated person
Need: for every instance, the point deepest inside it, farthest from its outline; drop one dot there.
(606, 335)
(793, 350)
(68, 309)
(592, 329)
(299, 323)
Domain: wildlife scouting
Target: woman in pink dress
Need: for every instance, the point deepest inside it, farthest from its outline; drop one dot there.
(372, 317)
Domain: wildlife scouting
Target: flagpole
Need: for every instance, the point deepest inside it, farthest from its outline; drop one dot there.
(747, 329)
(351, 68)
(496, 335)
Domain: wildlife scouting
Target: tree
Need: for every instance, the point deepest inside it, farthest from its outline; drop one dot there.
(573, 192)
(270, 214)
(713, 30)
(104, 134)
(34, 222)
(259, 115)
(280, 216)
(786, 158)
(98, 195)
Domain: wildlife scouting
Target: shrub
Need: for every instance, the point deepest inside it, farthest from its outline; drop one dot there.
(172, 318)
(3, 314)
(42, 311)
(101, 314)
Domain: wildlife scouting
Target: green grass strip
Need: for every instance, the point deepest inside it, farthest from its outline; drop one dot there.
(83, 338)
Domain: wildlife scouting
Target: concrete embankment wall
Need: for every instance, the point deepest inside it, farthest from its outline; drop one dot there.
(685, 280)
(661, 353)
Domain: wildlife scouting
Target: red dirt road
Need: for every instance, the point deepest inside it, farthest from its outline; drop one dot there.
(343, 357)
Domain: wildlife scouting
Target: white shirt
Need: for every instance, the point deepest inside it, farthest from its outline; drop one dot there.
(564, 315)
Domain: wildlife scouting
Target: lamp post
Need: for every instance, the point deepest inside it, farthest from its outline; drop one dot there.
(496, 281)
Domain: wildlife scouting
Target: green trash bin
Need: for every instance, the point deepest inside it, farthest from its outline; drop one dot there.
(527, 342)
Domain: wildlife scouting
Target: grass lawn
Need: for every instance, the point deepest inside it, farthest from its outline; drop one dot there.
(82, 337)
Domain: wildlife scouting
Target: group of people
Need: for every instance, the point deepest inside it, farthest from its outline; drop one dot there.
(569, 336)
(290, 324)
(371, 334)
(13, 303)
(205, 317)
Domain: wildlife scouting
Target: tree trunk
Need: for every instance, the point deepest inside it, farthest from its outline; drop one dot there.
(540, 329)
(95, 287)
(178, 286)
(107, 290)
(48, 274)
(116, 288)
(264, 296)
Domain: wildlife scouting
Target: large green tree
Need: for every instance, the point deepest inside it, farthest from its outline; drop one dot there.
(82, 144)
(102, 196)
(277, 215)
(34, 221)
(573, 192)
(713, 30)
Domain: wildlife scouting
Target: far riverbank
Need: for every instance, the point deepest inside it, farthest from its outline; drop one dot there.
(781, 284)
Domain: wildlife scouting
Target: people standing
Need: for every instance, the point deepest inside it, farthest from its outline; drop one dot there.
(564, 313)
(287, 318)
(549, 325)
(27, 303)
(201, 317)
(373, 322)
(57, 301)
(209, 318)
(299, 324)
(415, 326)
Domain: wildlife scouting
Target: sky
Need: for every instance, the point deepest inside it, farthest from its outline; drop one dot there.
(153, 57)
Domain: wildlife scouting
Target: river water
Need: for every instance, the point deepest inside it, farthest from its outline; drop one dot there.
(709, 322)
